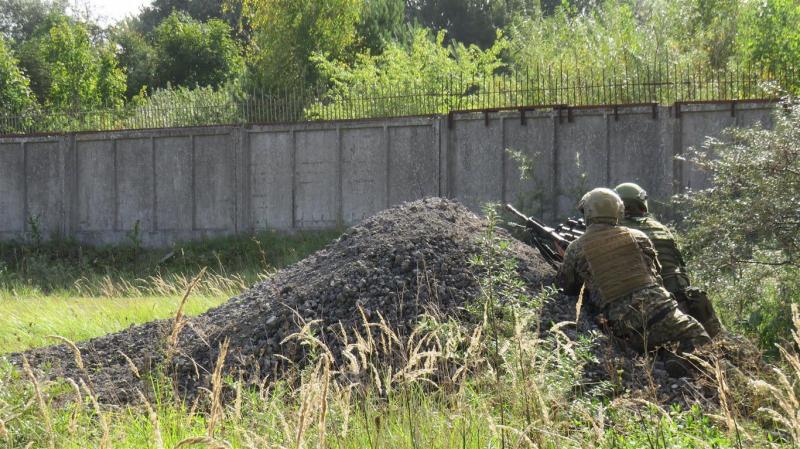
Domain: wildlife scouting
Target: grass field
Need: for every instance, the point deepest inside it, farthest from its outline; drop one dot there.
(28, 322)
(78, 292)
(466, 390)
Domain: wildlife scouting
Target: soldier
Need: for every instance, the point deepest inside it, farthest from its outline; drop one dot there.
(619, 269)
(691, 300)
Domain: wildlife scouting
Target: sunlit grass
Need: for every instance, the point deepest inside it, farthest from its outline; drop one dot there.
(28, 321)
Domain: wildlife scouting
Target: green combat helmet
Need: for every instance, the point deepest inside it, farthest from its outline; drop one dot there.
(634, 197)
(601, 205)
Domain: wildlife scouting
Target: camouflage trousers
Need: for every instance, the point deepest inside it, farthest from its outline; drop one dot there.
(650, 317)
(694, 302)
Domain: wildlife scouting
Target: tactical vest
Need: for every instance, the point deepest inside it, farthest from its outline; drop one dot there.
(672, 265)
(616, 263)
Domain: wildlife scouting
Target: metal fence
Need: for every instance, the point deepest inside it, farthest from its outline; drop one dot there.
(664, 84)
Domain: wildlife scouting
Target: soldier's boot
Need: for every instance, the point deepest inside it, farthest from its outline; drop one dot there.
(677, 367)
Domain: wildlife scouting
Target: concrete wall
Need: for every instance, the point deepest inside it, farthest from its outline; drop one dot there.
(178, 184)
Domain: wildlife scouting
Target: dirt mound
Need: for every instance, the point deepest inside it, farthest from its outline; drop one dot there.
(397, 265)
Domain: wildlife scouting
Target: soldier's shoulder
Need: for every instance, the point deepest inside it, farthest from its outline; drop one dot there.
(658, 229)
(637, 234)
(575, 245)
(633, 222)
(574, 248)
(651, 221)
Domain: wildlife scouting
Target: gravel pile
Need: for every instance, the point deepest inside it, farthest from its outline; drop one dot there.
(398, 265)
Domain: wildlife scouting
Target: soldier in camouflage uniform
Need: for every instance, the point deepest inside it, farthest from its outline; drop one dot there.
(691, 300)
(619, 269)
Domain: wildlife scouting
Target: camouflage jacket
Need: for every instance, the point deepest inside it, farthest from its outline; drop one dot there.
(574, 271)
(673, 269)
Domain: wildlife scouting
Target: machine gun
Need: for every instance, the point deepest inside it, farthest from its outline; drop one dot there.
(551, 242)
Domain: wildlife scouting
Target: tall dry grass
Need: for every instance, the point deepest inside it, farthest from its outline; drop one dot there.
(489, 381)
(782, 387)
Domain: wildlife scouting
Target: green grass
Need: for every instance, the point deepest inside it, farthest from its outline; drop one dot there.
(65, 267)
(27, 322)
(79, 292)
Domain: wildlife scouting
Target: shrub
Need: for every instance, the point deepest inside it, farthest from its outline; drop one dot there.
(742, 232)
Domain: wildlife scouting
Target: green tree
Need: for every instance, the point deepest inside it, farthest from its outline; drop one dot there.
(614, 37)
(771, 35)
(408, 76)
(199, 10)
(20, 20)
(382, 21)
(81, 75)
(15, 94)
(715, 26)
(287, 32)
(137, 56)
(469, 21)
(742, 236)
(190, 53)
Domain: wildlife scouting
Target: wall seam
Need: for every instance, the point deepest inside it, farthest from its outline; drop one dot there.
(608, 148)
(556, 172)
(293, 157)
(194, 182)
(116, 185)
(387, 185)
(25, 205)
(154, 217)
(339, 178)
(503, 161)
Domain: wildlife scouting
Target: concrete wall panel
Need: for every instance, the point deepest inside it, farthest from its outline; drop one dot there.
(12, 187)
(582, 159)
(364, 176)
(214, 186)
(96, 185)
(750, 117)
(477, 154)
(45, 189)
(534, 140)
(413, 162)
(695, 128)
(637, 154)
(317, 179)
(135, 178)
(173, 183)
(271, 179)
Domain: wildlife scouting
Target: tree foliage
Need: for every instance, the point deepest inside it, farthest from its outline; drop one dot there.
(382, 21)
(742, 232)
(614, 37)
(190, 53)
(15, 94)
(469, 21)
(288, 32)
(770, 36)
(20, 20)
(200, 10)
(81, 75)
(426, 66)
(137, 56)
